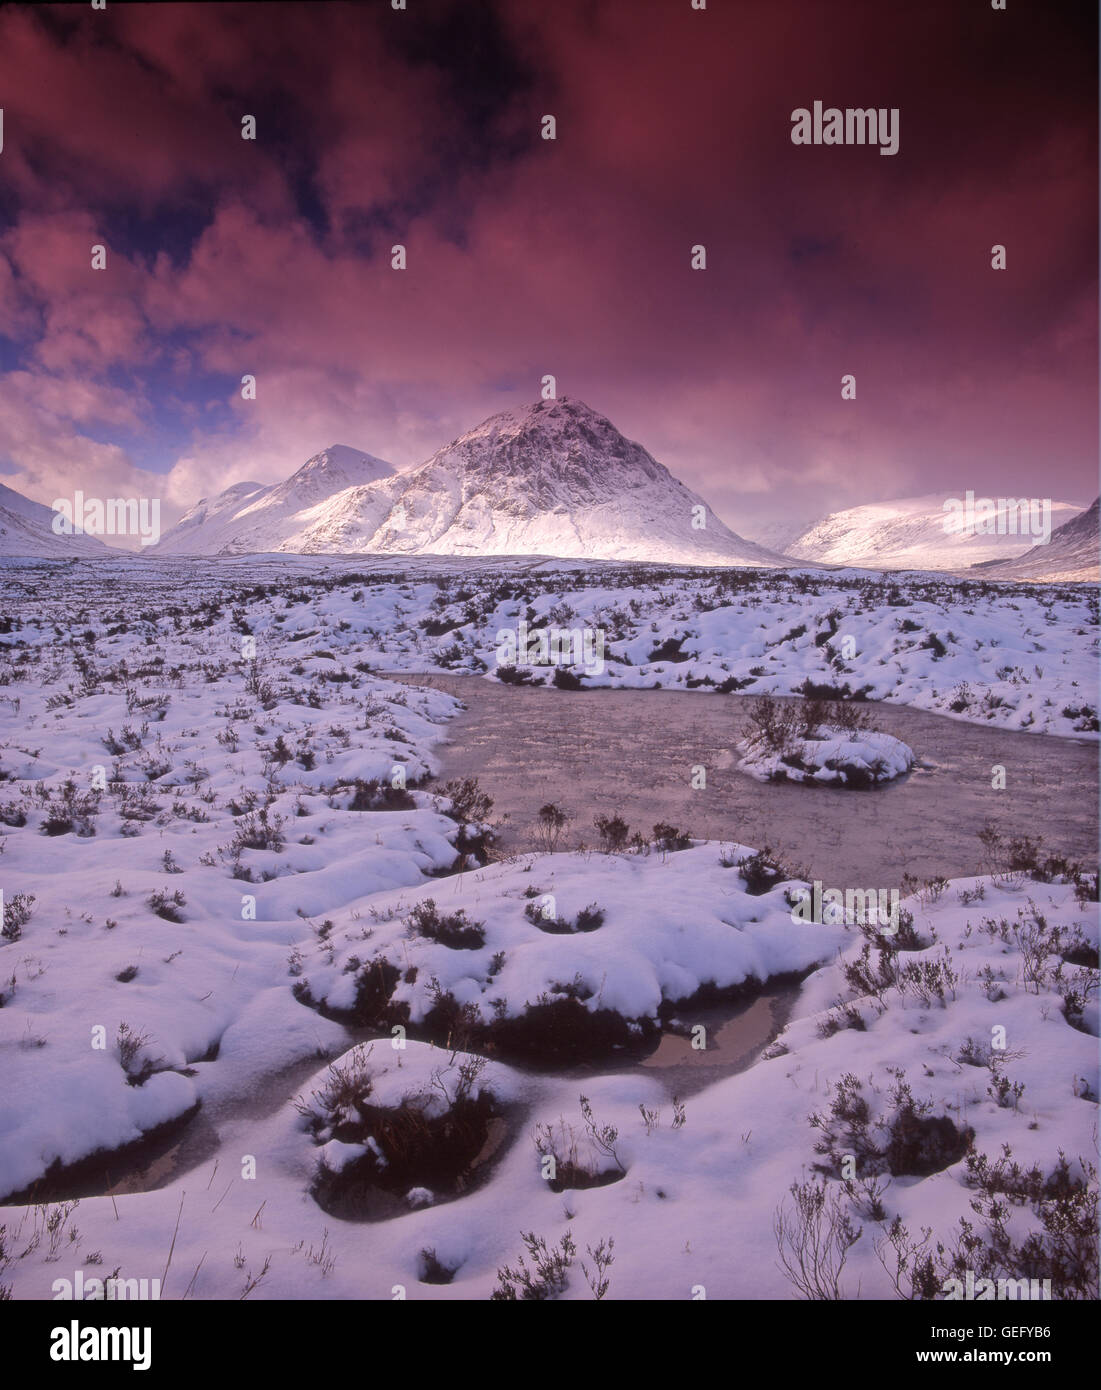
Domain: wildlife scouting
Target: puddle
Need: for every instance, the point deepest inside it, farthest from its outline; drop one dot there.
(731, 1044)
(735, 1034)
(163, 1155)
(131, 1168)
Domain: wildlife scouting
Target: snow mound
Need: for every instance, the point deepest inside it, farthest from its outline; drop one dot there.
(857, 758)
(514, 959)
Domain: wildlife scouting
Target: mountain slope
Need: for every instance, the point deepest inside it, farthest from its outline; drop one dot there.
(1071, 554)
(210, 523)
(26, 529)
(251, 517)
(554, 478)
(908, 533)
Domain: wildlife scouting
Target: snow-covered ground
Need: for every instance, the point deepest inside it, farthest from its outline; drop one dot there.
(1020, 657)
(220, 865)
(691, 1207)
(1013, 655)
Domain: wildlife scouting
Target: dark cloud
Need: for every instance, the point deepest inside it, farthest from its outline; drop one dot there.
(571, 257)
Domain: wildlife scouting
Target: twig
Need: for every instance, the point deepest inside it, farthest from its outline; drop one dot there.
(172, 1247)
(194, 1277)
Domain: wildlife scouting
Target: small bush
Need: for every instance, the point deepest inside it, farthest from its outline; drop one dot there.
(418, 1142)
(813, 1240)
(130, 1044)
(433, 1270)
(614, 833)
(1060, 1247)
(373, 795)
(669, 650)
(167, 905)
(668, 838)
(908, 1143)
(547, 1276)
(515, 675)
(17, 913)
(774, 723)
(68, 810)
(258, 830)
(759, 872)
(572, 1160)
(589, 918)
(561, 1029)
(815, 690)
(469, 803)
(552, 822)
(453, 931)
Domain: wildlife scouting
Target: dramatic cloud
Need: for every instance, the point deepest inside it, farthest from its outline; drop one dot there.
(572, 257)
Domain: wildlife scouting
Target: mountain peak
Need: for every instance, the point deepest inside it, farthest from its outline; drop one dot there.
(551, 477)
(331, 471)
(341, 461)
(541, 413)
(554, 477)
(561, 441)
(252, 517)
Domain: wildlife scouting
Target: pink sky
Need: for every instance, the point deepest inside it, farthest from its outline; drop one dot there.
(568, 257)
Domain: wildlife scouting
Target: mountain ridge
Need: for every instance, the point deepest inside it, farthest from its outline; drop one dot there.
(553, 478)
(909, 533)
(1073, 554)
(254, 517)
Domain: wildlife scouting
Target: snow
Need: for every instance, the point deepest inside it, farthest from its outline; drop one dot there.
(26, 528)
(674, 923)
(1013, 656)
(911, 533)
(253, 517)
(697, 1203)
(830, 756)
(223, 1002)
(555, 478)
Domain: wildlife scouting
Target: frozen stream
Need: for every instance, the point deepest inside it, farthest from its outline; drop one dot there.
(631, 753)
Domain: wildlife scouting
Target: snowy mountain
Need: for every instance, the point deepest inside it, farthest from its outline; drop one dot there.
(1071, 554)
(251, 517)
(909, 534)
(200, 530)
(554, 478)
(26, 529)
